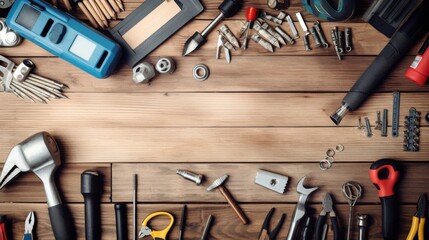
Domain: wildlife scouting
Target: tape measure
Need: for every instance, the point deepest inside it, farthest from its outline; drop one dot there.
(324, 9)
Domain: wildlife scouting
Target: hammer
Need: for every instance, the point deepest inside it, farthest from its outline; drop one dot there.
(40, 154)
(218, 183)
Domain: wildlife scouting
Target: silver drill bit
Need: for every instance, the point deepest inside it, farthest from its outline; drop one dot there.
(193, 177)
(258, 39)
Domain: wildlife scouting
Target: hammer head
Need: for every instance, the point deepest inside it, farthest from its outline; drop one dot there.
(34, 154)
(217, 182)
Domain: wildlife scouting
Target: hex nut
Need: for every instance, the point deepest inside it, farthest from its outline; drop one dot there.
(143, 72)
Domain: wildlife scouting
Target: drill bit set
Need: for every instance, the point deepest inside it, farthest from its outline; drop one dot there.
(25, 85)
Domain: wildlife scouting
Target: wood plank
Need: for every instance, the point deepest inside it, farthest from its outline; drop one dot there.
(109, 145)
(287, 73)
(159, 182)
(225, 225)
(133, 110)
(28, 188)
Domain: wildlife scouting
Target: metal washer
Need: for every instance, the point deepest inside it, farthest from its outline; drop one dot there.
(205, 72)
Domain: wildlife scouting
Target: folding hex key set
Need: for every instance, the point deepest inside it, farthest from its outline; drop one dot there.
(68, 38)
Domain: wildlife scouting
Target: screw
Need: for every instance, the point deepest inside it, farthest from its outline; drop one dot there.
(378, 122)
(193, 177)
(306, 43)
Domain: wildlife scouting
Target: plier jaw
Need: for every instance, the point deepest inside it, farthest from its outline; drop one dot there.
(12, 166)
(29, 224)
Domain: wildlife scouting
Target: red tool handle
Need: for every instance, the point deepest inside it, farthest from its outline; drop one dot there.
(384, 174)
(418, 72)
(3, 232)
(252, 13)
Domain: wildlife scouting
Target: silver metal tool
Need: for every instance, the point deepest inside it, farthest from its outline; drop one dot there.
(360, 126)
(362, 223)
(40, 154)
(135, 177)
(229, 36)
(306, 43)
(8, 37)
(341, 41)
(285, 35)
(201, 72)
(299, 211)
(29, 224)
(384, 124)
(271, 18)
(352, 191)
(265, 34)
(412, 131)
(378, 123)
(395, 113)
(272, 181)
(5, 3)
(271, 31)
(218, 183)
(221, 45)
(23, 70)
(143, 72)
(191, 176)
(368, 127)
(320, 34)
(206, 230)
(262, 42)
(349, 45)
(315, 37)
(292, 26)
(336, 43)
(165, 65)
(302, 23)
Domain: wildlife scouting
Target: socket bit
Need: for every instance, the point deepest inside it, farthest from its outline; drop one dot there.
(193, 177)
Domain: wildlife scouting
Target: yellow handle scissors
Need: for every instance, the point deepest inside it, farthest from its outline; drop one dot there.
(156, 234)
(418, 223)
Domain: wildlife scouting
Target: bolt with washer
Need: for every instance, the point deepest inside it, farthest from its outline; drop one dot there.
(165, 65)
(200, 72)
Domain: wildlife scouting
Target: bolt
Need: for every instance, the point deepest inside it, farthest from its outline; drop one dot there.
(362, 223)
(193, 177)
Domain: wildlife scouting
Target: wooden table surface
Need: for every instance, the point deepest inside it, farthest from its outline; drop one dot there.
(263, 111)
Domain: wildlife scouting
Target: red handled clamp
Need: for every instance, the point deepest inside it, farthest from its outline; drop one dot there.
(384, 174)
(418, 72)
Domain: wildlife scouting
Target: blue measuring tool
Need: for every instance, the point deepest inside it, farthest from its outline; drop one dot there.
(64, 36)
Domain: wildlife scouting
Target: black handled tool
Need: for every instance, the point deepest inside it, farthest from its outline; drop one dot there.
(399, 45)
(227, 8)
(121, 221)
(384, 174)
(91, 189)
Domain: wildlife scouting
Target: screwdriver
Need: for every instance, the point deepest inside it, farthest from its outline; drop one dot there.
(251, 15)
(227, 8)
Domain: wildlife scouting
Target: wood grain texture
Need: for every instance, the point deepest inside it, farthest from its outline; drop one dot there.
(225, 225)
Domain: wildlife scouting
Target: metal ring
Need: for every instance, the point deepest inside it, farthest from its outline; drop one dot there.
(165, 65)
(339, 148)
(348, 49)
(325, 164)
(330, 159)
(330, 152)
(201, 68)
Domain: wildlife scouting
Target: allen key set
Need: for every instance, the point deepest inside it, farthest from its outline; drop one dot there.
(28, 86)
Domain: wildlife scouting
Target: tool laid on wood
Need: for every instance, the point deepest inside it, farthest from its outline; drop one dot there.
(399, 45)
(40, 154)
(395, 113)
(121, 221)
(29, 224)
(218, 183)
(321, 226)
(91, 189)
(146, 230)
(300, 210)
(4, 228)
(362, 223)
(222, 44)
(206, 230)
(384, 123)
(135, 177)
(412, 131)
(419, 220)
(265, 234)
(384, 174)
(191, 176)
(274, 182)
(324, 9)
(418, 72)
(227, 8)
(251, 15)
(182, 222)
(352, 191)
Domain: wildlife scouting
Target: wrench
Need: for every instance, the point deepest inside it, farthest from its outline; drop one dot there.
(299, 212)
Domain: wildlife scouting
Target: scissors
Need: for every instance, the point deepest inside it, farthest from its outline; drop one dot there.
(156, 234)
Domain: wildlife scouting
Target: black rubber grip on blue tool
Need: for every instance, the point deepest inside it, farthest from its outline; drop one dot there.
(121, 221)
(62, 222)
(230, 7)
(390, 217)
(401, 42)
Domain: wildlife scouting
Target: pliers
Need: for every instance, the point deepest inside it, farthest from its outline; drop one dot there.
(223, 43)
(29, 224)
(264, 234)
(418, 223)
(321, 226)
